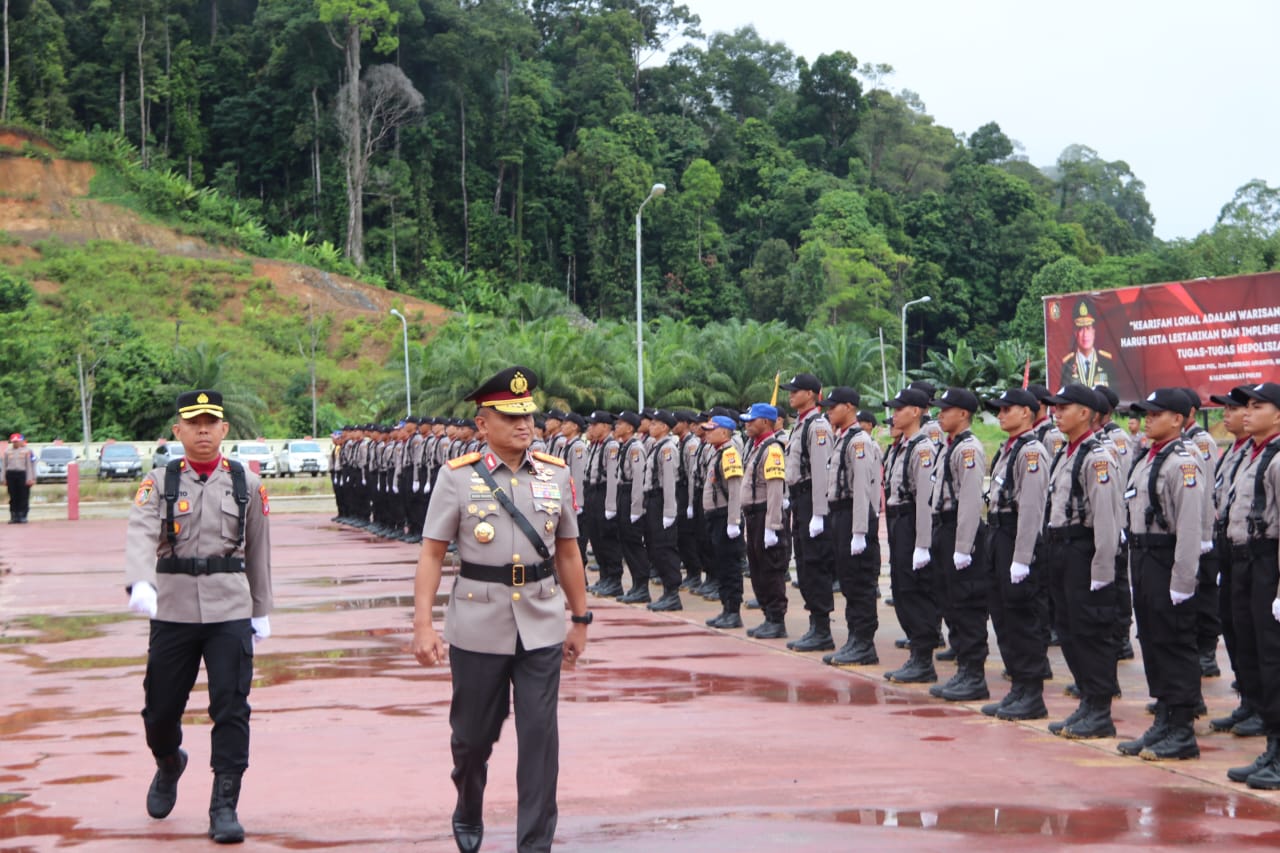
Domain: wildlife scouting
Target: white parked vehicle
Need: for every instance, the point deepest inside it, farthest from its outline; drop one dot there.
(303, 456)
(255, 451)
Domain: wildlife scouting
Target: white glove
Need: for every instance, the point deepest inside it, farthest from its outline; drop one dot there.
(919, 558)
(733, 531)
(417, 487)
(1094, 586)
(857, 544)
(667, 521)
(962, 561)
(636, 518)
(688, 512)
(578, 511)
(1275, 610)
(1018, 572)
(786, 504)
(142, 599)
(816, 525)
(1179, 597)
(395, 488)
(610, 515)
(770, 537)
(1206, 547)
(261, 628)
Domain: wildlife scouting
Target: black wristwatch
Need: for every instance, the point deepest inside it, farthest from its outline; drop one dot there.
(585, 619)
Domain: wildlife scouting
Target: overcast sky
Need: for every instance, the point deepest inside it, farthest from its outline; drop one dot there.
(1185, 92)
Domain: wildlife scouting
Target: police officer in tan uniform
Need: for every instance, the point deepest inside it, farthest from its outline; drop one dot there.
(19, 477)
(722, 514)
(1201, 445)
(512, 514)
(1164, 501)
(198, 562)
(661, 536)
(624, 500)
(768, 539)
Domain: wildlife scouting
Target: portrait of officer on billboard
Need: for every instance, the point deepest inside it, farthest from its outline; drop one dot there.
(1085, 363)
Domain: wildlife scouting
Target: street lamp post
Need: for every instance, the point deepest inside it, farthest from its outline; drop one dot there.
(404, 324)
(658, 189)
(905, 306)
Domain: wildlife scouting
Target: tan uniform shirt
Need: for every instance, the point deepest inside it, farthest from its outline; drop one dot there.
(208, 522)
(660, 472)
(1120, 441)
(967, 462)
(1050, 436)
(764, 480)
(1021, 489)
(1204, 450)
(722, 485)
(906, 481)
(488, 617)
(811, 437)
(854, 472)
(629, 461)
(1226, 470)
(1181, 491)
(20, 459)
(575, 456)
(1244, 488)
(1100, 498)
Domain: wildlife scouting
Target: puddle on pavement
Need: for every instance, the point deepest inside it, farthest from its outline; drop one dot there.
(83, 780)
(352, 580)
(394, 661)
(39, 628)
(17, 724)
(374, 603)
(658, 686)
(935, 711)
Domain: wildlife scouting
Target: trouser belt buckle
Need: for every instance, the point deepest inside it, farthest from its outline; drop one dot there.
(517, 574)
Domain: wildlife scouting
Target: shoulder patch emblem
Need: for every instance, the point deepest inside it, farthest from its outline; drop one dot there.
(1102, 470)
(1188, 475)
(1205, 448)
(731, 462)
(666, 454)
(463, 461)
(144, 491)
(1033, 461)
(775, 463)
(266, 505)
(822, 436)
(969, 457)
(860, 449)
(613, 451)
(926, 457)
(548, 458)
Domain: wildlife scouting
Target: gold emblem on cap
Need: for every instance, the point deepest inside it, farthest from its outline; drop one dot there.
(484, 532)
(519, 384)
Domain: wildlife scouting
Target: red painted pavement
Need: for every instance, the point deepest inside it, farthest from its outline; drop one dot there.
(674, 737)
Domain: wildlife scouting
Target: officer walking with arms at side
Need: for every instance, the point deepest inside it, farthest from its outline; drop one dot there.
(505, 623)
(19, 477)
(768, 540)
(198, 562)
(1164, 502)
(1080, 539)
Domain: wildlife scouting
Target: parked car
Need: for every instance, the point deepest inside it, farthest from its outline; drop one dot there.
(301, 457)
(166, 453)
(51, 464)
(255, 451)
(119, 461)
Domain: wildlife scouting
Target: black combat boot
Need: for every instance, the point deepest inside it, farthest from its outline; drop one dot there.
(670, 601)
(971, 686)
(1094, 723)
(1029, 704)
(917, 670)
(726, 619)
(936, 690)
(1125, 649)
(771, 630)
(1209, 662)
(856, 652)
(1072, 718)
(1012, 696)
(819, 636)
(1158, 731)
(638, 594)
(691, 582)
(609, 587)
(947, 654)
(806, 636)
(1251, 726)
(1225, 724)
(1179, 741)
(163, 793)
(1242, 774)
(224, 826)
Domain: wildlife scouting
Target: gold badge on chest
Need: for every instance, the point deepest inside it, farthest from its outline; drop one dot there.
(484, 532)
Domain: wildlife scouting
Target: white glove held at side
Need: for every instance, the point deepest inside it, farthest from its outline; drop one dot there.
(770, 537)
(919, 558)
(1178, 597)
(142, 599)
(733, 531)
(261, 628)
(857, 544)
(1018, 572)
(962, 561)
(816, 525)
(1094, 586)
(667, 521)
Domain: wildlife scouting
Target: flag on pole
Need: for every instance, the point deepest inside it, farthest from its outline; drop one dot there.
(777, 379)
(1026, 375)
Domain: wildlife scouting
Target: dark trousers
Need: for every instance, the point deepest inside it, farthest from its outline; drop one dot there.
(1085, 620)
(707, 552)
(964, 591)
(1017, 609)
(173, 660)
(730, 555)
(1208, 623)
(482, 693)
(690, 553)
(631, 538)
(1124, 596)
(1167, 632)
(19, 493)
(814, 569)
(661, 543)
(1222, 551)
(859, 576)
(768, 565)
(602, 532)
(1254, 577)
(913, 595)
(417, 509)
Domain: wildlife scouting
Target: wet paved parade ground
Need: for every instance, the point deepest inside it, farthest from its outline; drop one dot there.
(674, 737)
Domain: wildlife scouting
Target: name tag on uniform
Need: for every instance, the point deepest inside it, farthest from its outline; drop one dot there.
(999, 481)
(545, 491)
(1130, 493)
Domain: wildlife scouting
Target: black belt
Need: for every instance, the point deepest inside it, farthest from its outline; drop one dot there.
(1065, 534)
(1002, 519)
(717, 512)
(198, 565)
(754, 509)
(1151, 541)
(841, 503)
(801, 486)
(512, 574)
(1255, 548)
(896, 510)
(947, 516)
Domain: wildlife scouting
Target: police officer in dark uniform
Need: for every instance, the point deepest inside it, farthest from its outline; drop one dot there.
(198, 563)
(512, 514)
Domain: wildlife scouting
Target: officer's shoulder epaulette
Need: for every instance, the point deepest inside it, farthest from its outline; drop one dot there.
(1104, 353)
(468, 459)
(1068, 357)
(548, 458)
(1101, 448)
(1182, 451)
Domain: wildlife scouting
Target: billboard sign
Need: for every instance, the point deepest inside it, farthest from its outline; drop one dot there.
(1207, 334)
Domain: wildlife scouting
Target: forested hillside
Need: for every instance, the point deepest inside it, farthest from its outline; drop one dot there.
(453, 150)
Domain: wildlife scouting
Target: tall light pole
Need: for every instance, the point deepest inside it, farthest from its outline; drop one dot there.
(658, 189)
(905, 306)
(404, 324)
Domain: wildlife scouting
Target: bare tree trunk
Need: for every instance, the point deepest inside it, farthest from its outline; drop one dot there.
(466, 216)
(213, 22)
(86, 403)
(168, 98)
(4, 93)
(121, 105)
(518, 210)
(395, 269)
(497, 192)
(142, 92)
(355, 146)
(315, 149)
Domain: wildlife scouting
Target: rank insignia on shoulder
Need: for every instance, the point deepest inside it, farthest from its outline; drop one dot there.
(1102, 470)
(463, 461)
(1189, 475)
(1033, 461)
(548, 458)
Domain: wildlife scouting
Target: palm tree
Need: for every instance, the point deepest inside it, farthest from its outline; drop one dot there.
(845, 355)
(205, 366)
(741, 359)
(959, 368)
(1006, 367)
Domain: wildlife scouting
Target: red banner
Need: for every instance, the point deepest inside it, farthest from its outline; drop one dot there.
(1207, 334)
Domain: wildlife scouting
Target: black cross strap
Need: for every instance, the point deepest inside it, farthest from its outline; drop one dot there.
(509, 505)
